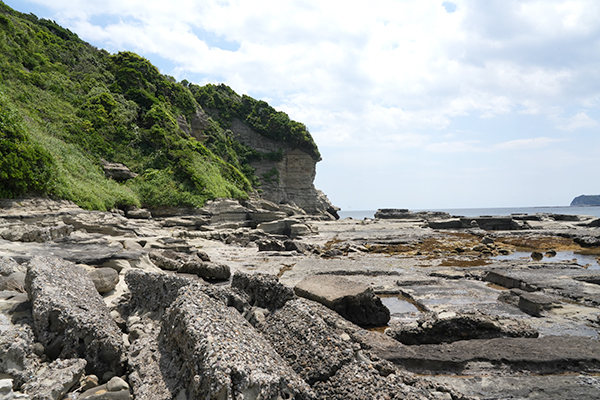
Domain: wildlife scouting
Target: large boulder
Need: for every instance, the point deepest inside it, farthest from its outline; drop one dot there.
(353, 300)
(264, 290)
(53, 381)
(17, 355)
(304, 333)
(70, 317)
(117, 171)
(190, 264)
(105, 279)
(220, 356)
(152, 290)
(449, 327)
(288, 227)
(226, 210)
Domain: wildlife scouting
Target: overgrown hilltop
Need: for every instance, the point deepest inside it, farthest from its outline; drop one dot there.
(66, 105)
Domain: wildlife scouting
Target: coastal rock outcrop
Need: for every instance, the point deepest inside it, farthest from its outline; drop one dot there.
(171, 326)
(449, 327)
(354, 301)
(222, 355)
(287, 178)
(70, 318)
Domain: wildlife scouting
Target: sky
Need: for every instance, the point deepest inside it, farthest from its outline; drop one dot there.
(413, 104)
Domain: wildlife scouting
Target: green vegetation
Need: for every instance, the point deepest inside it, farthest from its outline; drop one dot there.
(65, 105)
(272, 174)
(261, 117)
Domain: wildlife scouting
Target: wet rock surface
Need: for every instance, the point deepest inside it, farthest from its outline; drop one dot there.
(472, 312)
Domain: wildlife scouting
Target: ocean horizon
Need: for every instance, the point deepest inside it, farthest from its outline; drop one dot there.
(492, 211)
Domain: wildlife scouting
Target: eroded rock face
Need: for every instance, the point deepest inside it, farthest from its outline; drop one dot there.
(220, 354)
(190, 264)
(289, 180)
(153, 291)
(117, 171)
(314, 348)
(70, 317)
(17, 357)
(263, 290)
(354, 301)
(55, 380)
(449, 327)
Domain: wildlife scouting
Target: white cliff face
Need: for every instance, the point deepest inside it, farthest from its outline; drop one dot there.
(289, 181)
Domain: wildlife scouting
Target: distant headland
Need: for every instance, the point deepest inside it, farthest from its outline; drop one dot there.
(585, 200)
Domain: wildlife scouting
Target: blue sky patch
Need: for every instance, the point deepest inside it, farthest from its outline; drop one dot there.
(449, 6)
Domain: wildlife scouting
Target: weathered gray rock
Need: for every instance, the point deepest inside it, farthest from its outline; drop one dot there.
(451, 223)
(260, 216)
(12, 275)
(536, 303)
(53, 381)
(153, 372)
(304, 333)
(105, 279)
(508, 280)
(488, 223)
(361, 380)
(152, 290)
(548, 354)
(70, 317)
(34, 233)
(299, 230)
(190, 264)
(270, 245)
(588, 241)
(226, 210)
(449, 327)
(402, 213)
(206, 270)
(6, 391)
(221, 356)
(288, 227)
(90, 252)
(117, 171)
(264, 290)
(280, 227)
(187, 221)
(17, 354)
(139, 213)
(115, 389)
(9, 266)
(352, 300)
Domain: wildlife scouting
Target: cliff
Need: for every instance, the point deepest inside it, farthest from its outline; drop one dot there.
(287, 179)
(68, 110)
(585, 200)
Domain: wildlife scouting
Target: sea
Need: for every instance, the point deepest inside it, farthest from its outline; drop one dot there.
(477, 212)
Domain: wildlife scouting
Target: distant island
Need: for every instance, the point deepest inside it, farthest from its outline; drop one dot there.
(585, 200)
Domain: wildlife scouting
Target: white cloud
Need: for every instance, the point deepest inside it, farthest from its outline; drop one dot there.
(409, 75)
(468, 146)
(578, 121)
(525, 144)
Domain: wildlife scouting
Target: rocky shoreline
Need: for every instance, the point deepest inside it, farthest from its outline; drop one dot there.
(256, 300)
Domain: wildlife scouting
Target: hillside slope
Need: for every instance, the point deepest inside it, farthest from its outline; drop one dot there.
(585, 200)
(65, 106)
